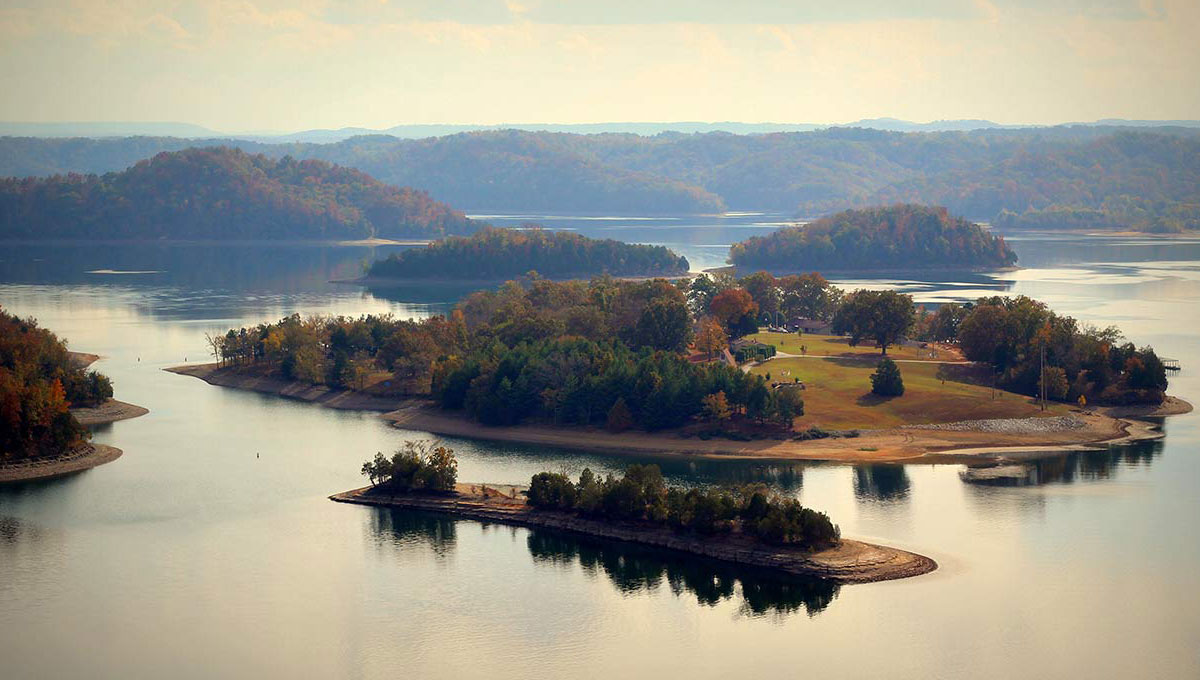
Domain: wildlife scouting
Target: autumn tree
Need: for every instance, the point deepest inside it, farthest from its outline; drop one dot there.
(716, 407)
(736, 310)
(711, 338)
(884, 316)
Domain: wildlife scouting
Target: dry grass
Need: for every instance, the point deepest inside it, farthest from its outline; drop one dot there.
(837, 346)
(838, 394)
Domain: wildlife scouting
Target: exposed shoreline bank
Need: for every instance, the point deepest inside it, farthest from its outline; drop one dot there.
(83, 458)
(850, 562)
(1091, 431)
(110, 411)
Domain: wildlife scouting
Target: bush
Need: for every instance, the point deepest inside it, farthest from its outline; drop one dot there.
(619, 417)
(886, 380)
(552, 490)
(417, 466)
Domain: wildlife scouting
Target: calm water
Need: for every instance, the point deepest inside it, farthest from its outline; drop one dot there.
(192, 557)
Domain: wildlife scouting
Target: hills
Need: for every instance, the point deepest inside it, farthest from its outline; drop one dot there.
(499, 254)
(896, 237)
(221, 194)
(981, 173)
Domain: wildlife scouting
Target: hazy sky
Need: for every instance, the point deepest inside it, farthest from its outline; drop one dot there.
(241, 65)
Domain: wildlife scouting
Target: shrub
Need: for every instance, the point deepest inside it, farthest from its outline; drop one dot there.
(619, 417)
(552, 490)
(886, 380)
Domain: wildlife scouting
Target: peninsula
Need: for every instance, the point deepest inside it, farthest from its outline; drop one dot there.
(746, 525)
(47, 400)
(645, 367)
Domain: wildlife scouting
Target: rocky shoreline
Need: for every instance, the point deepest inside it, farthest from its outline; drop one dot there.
(849, 562)
(81, 458)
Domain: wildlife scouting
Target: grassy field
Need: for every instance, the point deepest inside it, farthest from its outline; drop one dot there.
(837, 346)
(838, 394)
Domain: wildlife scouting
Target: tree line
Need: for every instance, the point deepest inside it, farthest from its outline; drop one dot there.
(641, 495)
(38, 385)
(501, 254)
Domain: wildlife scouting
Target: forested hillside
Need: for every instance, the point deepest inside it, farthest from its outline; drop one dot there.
(896, 237)
(1130, 177)
(508, 253)
(221, 193)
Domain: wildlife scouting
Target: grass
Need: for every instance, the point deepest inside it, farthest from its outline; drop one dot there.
(838, 346)
(838, 394)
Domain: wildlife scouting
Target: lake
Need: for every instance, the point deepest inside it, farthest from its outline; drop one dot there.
(210, 550)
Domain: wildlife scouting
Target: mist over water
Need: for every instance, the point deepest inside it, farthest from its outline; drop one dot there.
(210, 550)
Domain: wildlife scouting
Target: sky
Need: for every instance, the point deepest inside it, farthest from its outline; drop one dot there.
(269, 65)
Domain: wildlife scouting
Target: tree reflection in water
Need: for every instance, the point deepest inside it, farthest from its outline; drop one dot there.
(402, 529)
(634, 569)
(881, 482)
(1067, 468)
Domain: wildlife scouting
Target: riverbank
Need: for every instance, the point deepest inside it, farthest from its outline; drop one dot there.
(979, 440)
(83, 458)
(849, 562)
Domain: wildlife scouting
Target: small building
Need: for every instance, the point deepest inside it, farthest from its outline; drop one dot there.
(805, 325)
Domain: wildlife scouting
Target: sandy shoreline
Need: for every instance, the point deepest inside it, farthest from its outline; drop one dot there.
(83, 458)
(110, 411)
(1098, 429)
(850, 562)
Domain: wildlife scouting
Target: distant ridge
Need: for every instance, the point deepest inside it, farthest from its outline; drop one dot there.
(422, 131)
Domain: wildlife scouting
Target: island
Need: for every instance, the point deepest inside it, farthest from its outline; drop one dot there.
(47, 400)
(493, 254)
(649, 367)
(898, 237)
(748, 525)
(222, 194)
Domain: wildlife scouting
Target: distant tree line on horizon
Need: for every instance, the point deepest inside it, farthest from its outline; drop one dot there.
(221, 194)
(38, 385)
(500, 254)
(1146, 178)
(895, 237)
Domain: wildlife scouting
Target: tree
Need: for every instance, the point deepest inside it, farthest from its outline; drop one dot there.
(786, 405)
(882, 315)
(943, 324)
(886, 380)
(716, 407)
(809, 296)
(664, 324)
(736, 310)
(619, 418)
(711, 338)
(764, 290)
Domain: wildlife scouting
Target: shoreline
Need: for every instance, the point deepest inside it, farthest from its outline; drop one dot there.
(79, 460)
(384, 281)
(850, 562)
(110, 411)
(897, 445)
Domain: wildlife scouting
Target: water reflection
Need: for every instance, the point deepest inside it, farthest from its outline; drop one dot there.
(881, 482)
(635, 569)
(1067, 468)
(403, 530)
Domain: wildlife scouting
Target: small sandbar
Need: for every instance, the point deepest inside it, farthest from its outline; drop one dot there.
(849, 562)
(77, 460)
(110, 411)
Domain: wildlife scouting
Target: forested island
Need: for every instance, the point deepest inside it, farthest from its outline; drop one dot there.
(220, 193)
(40, 383)
(749, 525)
(1124, 178)
(501, 254)
(611, 364)
(902, 236)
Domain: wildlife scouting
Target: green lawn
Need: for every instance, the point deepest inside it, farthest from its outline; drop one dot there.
(837, 346)
(838, 394)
